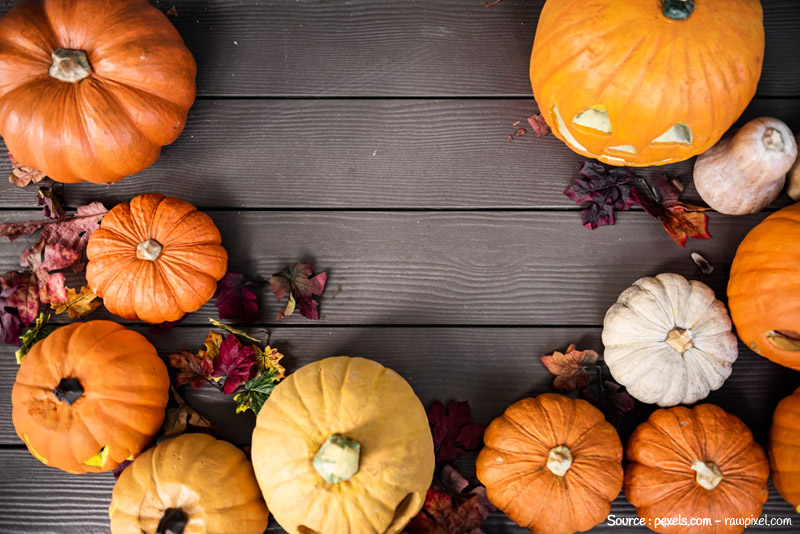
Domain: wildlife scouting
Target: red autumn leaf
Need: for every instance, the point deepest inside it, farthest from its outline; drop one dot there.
(22, 175)
(441, 515)
(296, 280)
(681, 221)
(571, 367)
(454, 482)
(234, 300)
(161, 329)
(10, 322)
(538, 125)
(606, 190)
(193, 369)
(453, 431)
(20, 291)
(235, 363)
(120, 468)
(609, 398)
(46, 197)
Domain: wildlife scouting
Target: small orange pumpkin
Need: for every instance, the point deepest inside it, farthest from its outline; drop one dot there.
(91, 89)
(89, 396)
(552, 464)
(784, 449)
(696, 462)
(155, 259)
(645, 82)
(764, 288)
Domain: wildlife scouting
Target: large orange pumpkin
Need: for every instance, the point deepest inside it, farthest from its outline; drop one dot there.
(764, 288)
(89, 396)
(193, 484)
(645, 82)
(784, 449)
(696, 462)
(552, 464)
(91, 89)
(155, 259)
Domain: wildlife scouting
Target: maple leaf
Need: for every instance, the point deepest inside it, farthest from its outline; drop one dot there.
(681, 221)
(20, 291)
(234, 300)
(454, 482)
(538, 125)
(77, 304)
(211, 345)
(178, 418)
(296, 280)
(572, 368)
(441, 515)
(610, 398)
(235, 363)
(45, 196)
(256, 391)
(452, 430)
(605, 190)
(39, 331)
(193, 369)
(269, 358)
(22, 175)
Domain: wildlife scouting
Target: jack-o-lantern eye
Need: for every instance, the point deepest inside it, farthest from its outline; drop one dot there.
(630, 149)
(596, 118)
(679, 133)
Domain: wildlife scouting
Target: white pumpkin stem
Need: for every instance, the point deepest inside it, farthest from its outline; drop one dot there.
(707, 475)
(679, 339)
(69, 66)
(338, 459)
(559, 460)
(773, 140)
(149, 250)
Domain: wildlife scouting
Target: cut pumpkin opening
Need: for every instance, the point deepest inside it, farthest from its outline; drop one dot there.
(596, 118)
(629, 149)
(784, 339)
(679, 133)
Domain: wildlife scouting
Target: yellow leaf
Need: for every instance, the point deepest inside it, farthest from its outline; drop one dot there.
(269, 358)
(212, 343)
(78, 305)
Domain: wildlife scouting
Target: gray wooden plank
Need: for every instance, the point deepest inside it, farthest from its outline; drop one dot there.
(397, 47)
(362, 154)
(457, 268)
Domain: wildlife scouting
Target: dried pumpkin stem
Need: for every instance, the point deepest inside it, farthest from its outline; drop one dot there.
(677, 9)
(69, 66)
(68, 390)
(559, 460)
(149, 250)
(773, 140)
(173, 521)
(707, 475)
(338, 459)
(679, 339)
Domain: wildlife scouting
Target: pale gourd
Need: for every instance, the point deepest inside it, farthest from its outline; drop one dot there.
(746, 172)
(669, 341)
(793, 180)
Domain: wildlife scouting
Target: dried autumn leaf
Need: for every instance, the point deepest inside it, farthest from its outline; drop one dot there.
(193, 369)
(172, 11)
(78, 305)
(453, 431)
(681, 221)
(704, 265)
(232, 330)
(38, 332)
(269, 358)
(20, 291)
(235, 363)
(538, 125)
(442, 515)
(178, 418)
(234, 300)
(296, 280)
(211, 345)
(22, 175)
(454, 482)
(610, 398)
(45, 196)
(601, 192)
(571, 368)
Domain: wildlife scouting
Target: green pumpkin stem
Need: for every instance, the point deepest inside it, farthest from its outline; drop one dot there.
(338, 459)
(68, 390)
(677, 9)
(173, 521)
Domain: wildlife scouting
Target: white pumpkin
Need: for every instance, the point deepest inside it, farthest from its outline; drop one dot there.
(669, 340)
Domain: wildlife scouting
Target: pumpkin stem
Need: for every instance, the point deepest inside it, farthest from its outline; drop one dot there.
(708, 474)
(677, 9)
(773, 140)
(784, 339)
(172, 522)
(679, 339)
(338, 458)
(559, 460)
(149, 250)
(70, 66)
(68, 390)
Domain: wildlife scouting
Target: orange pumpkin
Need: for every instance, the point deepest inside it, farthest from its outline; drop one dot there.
(155, 259)
(784, 449)
(89, 396)
(645, 82)
(696, 462)
(552, 464)
(764, 288)
(91, 89)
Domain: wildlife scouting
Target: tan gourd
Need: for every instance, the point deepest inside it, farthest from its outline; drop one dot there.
(793, 180)
(746, 172)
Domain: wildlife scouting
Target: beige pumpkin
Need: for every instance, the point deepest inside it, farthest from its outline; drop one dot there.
(669, 340)
(793, 179)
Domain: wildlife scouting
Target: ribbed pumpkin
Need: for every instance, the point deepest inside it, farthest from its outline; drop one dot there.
(155, 259)
(784, 449)
(696, 462)
(91, 89)
(552, 464)
(343, 445)
(193, 484)
(645, 82)
(764, 288)
(89, 396)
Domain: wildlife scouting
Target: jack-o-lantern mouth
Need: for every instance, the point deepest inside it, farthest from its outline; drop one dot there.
(784, 339)
(173, 521)
(68, 390)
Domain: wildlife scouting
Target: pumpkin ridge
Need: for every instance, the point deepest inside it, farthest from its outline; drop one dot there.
(675, 447)
(524, 431)
(166, 239)
(578, 444)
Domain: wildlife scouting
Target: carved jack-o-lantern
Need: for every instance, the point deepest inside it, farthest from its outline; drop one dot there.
(645, 82)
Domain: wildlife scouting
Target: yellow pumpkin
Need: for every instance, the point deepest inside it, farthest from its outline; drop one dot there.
(343, 445)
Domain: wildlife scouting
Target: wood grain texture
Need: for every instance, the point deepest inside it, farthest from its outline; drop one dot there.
(397, 47)
(363, 154)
